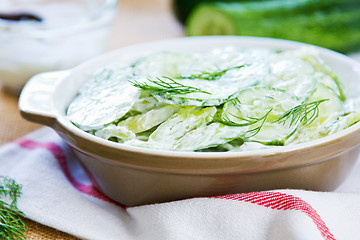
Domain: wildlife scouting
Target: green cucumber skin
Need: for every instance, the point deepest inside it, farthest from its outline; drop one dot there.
(331, 24)
(182, 8)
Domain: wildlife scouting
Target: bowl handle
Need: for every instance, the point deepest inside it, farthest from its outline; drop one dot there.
(36, 99)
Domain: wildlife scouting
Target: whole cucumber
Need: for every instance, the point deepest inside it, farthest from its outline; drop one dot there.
(333, 24)
(182, 8)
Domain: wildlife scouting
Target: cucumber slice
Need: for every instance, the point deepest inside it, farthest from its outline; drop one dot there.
(145, 104)
(105, 98)
(146, 144)
(352, 105)
(207, 136)
(323, 72)
(210, 20)
(329, 112)
(252, 103)
(122, 134)
(343, 122)
(232, 145)
(317, 129)
(182, 122)
(148, 120)
(294, 76)
(332, 82)
(274, 134)
(169, 64)
(250, 146)
(334, 105)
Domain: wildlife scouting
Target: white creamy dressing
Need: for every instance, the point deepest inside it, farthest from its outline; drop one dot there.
(224, 100)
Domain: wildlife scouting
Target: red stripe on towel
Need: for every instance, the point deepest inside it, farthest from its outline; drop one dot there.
(282, 201)
(59, 155)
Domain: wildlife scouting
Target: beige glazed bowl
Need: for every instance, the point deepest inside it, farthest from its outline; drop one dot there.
(135, 176)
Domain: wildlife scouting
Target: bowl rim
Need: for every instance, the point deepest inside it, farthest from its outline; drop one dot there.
(333, 138)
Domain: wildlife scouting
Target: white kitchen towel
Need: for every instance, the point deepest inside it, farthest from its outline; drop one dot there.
(57, 193)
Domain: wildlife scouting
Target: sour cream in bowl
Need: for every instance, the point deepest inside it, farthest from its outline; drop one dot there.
(43, 35)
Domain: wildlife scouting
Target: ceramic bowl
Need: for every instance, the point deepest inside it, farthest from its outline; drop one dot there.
(135, 176)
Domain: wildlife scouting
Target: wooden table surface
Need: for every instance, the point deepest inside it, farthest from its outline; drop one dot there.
(136, 21)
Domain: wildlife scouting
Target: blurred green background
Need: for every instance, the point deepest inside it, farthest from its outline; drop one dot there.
(333, 24)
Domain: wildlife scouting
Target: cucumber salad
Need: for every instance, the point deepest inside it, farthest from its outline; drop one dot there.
(227, 99)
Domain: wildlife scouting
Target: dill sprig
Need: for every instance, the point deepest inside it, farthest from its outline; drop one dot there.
(304, 113)
(166, 87)
(210, 76)
(256, 130)
(11, 224)
(246, 122)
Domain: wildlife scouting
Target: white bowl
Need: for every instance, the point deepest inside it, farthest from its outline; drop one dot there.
(133, 176)
(70, 32)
